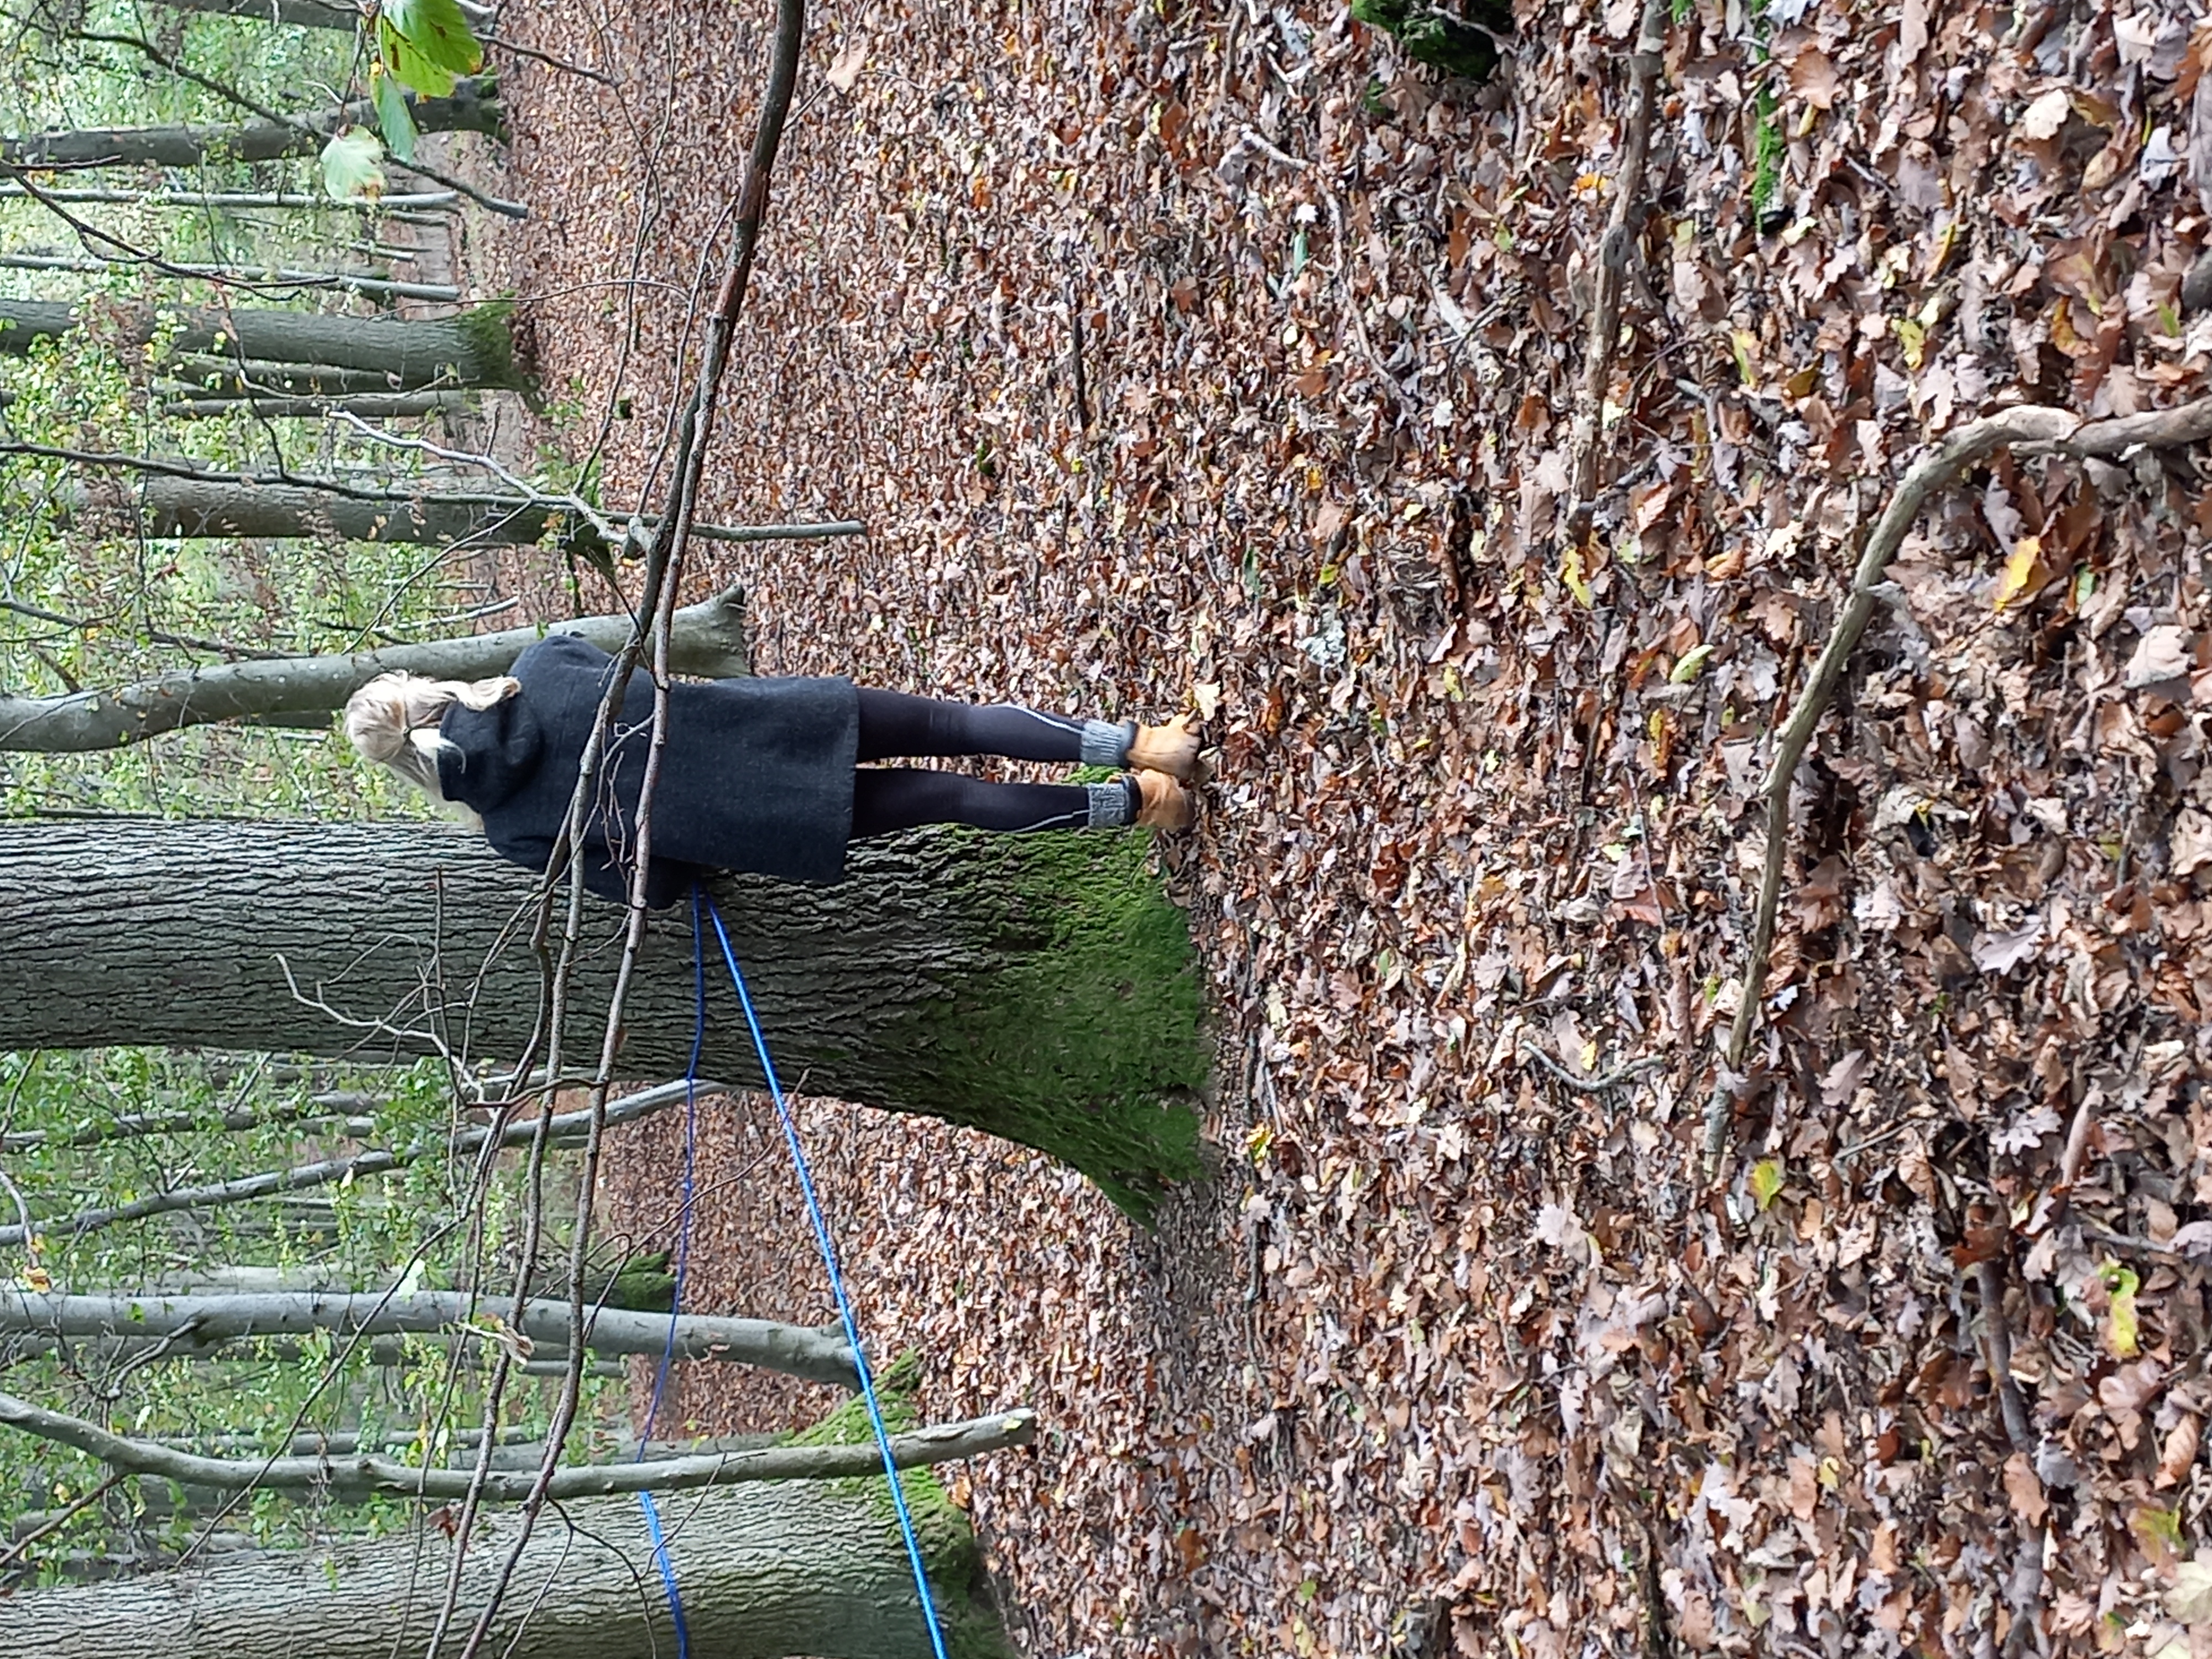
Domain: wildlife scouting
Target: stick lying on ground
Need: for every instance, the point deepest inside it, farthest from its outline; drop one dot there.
(2034, 429)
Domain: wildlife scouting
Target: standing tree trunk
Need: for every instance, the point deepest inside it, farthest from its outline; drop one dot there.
(472, 107)
(1038, 988)
(367, 406)
(709, 638)
(798, 1568)
(192, 1325)
(304, 13)
(160, 504)
(473, 348)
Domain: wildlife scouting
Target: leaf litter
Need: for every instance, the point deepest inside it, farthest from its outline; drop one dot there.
(1182, 357)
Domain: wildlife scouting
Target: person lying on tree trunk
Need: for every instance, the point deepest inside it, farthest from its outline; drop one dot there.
(766, 777)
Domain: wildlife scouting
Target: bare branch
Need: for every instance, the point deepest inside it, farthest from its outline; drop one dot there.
(563, 1128)
(664, 570)
(1614, 252)
(1592, 1085)
(362, 1474)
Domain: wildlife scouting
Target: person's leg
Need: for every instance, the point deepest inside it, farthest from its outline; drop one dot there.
(889, 799)
(893, 724)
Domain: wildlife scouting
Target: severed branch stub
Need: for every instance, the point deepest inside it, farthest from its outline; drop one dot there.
(2032, 429)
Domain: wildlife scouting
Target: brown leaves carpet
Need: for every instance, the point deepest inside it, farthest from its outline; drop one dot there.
(1456, 1357)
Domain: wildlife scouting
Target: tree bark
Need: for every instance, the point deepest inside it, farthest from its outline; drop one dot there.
(194, 1324)
(709, 640)
(472, 107)
(474, 349)
(302, 13)
(367, 406)
(813, 1569)
(161, 504)
(1036, 987)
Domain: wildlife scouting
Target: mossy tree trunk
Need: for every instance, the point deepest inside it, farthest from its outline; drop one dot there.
(300, 352)
(814, 1569)
(1038, 988)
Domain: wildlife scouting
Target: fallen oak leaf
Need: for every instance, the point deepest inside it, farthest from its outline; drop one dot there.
(2179, 1453)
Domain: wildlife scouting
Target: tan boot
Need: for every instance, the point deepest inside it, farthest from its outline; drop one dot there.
(1172, 749)
(1165, 804)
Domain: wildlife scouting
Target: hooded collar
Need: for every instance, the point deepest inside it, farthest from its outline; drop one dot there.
(493, 753)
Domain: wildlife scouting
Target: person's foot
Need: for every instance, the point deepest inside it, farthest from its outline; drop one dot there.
(1172, 749)
(1163, 802)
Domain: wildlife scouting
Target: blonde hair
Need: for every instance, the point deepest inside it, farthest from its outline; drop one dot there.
(393, 720)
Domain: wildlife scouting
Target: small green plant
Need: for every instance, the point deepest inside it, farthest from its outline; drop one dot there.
(415, 46)
(1439, 39)
(1767, 159)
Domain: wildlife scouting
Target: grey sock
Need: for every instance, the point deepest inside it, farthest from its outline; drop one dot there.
(1106, 744)
(1112, 804)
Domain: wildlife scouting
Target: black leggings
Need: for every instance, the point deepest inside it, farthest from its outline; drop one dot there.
(889, 798)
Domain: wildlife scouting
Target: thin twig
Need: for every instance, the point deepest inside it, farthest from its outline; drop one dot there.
(1990, 1278)
(1591, 1085)
(60, 1518)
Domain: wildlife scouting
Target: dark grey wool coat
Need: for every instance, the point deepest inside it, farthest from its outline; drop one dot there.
(756, 775)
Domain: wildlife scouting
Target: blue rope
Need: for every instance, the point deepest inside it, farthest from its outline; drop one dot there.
(829, 1250)
(682, 1261)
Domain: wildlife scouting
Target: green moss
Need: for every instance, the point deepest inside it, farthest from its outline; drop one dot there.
(1439, 39)
(1081, 1037)
(957, 1583)
(1767, 148)
(488, 330)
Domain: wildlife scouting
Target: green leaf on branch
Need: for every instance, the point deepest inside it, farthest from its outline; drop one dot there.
(393, 118)
(351, 172)
(400, 59)
(429, 39)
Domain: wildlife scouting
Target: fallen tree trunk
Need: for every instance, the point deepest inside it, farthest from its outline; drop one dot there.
(799, 1569)
(710, 641)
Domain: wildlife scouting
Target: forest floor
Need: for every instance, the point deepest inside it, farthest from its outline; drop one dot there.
(1456, 1356)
